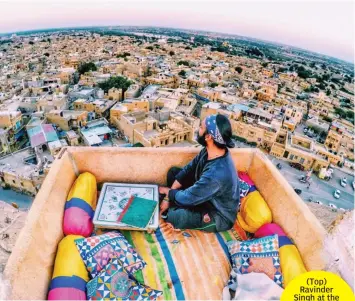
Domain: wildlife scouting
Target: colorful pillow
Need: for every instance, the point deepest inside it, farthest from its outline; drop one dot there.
(245, 177)
(240, 231)
(258, 255)
(252, 189)
(114, 283)
(269, 229)
(80, 205)
(96, 251)
(67, 288)
(254, 212)
(244, 188)
(69, 274)
(290, 259)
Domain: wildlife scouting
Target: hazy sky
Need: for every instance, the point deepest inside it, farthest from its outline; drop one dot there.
(322, 26)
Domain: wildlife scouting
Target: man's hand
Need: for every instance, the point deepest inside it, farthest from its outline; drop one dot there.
(164, 206)
(176, 185)
(164, 190)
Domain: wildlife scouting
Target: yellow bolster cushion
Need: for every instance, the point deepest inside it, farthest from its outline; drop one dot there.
(68, 261)
(84, 188)
(291, 263)
(254, 211)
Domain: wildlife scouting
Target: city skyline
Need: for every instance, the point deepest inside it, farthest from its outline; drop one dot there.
(326, 28)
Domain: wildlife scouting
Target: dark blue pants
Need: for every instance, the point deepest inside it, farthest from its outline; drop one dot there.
(201, 217)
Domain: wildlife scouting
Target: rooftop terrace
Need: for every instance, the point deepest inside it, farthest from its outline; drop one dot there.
(16, 163)
(36, 248)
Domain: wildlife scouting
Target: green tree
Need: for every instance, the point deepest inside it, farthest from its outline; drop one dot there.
(148, 72)
(213, 85)
(325, 77)
(124, 54)
(185, 63)
(264, 64)
(312, 64)
(239, 69)
(328, 92)
(350, 114)
(308, 108)
(149, 47)
(321, 86)
(209, 58)
(118, 82)
(171, 52)
(182, 73)
(31, 42)
(46, 54)
(342, 113)
(86, 67)
(304, 73)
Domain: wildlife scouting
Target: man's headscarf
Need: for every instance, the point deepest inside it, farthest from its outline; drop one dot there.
(213, 130)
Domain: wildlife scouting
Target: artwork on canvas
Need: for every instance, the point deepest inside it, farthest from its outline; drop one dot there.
(113, 199)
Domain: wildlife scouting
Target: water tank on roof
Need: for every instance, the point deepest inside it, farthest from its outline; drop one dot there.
(100, 93)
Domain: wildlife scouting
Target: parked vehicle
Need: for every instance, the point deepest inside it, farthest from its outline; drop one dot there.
(334, 208)
(303, 179)
(310, 199)
(353, 184)
(279, 166)
(325, 174)
(337, 194)
(298, 191)
(310, 134)
(297, 166)
(343, 182)
(305, 130)
(318, 202)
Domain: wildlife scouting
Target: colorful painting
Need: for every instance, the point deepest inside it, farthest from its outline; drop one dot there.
(114, 198)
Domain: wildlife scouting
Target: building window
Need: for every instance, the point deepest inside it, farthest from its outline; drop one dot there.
(291, 157)
(301, 160)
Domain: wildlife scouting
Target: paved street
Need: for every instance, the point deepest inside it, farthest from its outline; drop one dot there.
(22, 200)
(320, 190)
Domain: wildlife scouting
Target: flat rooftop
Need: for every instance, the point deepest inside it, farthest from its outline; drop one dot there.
(97, 130)
(151, 89)
(15, 163)
(35, 121)
(84, 91)
(151, 133)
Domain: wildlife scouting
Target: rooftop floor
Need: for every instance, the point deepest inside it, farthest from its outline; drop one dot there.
(14, 163)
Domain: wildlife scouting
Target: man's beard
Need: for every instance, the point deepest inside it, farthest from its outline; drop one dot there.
(201, 139)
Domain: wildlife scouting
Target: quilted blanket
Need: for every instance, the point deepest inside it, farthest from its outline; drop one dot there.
(184, 265)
